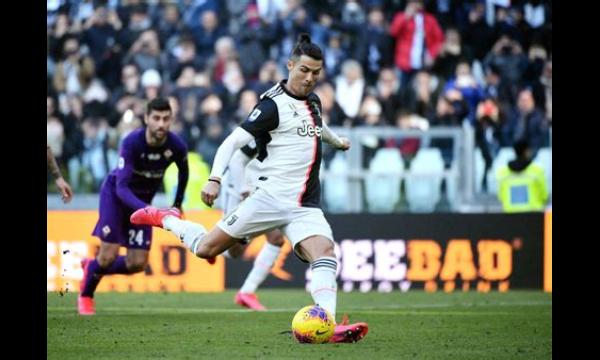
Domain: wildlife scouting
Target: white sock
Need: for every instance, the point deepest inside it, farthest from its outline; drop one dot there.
(190, 233)
(323, 284)
(262, 266)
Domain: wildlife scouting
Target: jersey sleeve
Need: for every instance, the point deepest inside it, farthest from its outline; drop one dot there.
(183, 175)
(124, 174)
(263, 118)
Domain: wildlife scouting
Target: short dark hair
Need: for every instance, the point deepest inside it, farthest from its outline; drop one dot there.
(158, 104)
(521, 147)
(304, 46)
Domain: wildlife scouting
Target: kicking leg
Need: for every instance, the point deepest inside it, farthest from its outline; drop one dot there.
(318, 250)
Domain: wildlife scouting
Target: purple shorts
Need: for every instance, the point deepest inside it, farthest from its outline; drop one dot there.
(114, 227)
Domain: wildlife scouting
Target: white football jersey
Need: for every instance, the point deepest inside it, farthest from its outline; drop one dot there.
(287, 129)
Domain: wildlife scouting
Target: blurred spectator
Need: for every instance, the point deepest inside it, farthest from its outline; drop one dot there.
(477, 33)
(353, 15)
(248, 99)
(488, 134)
(320, 31)
(502, 91)
(181, 55)
(419, 39)
(370, 114)
(268, 75)
(129, 89)
(55, 135)
(334, 54)
(331, 112)
(408, 120)
(151, 84)
(136, 21)
(546, 82)
(74, 72)
(421, 94)
(145, 52)
(169, 25)
(350, 89)
(452, 52)
(195, 8)
(253, 42)
(507, 55)
(387, 88)
(100, 31)
(57, 36)
(225, 51)
(526, 123)
(207, 32)
(466, 84)
(73, 145)
(97, 158)
(450, 111)
(374, 46)
(533, 74)
(229, 88)
(212, 123)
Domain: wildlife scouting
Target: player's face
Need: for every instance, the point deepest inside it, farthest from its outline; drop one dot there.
(304, 74)
(158, 124)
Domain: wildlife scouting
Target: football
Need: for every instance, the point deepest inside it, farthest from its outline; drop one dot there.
(313, 325)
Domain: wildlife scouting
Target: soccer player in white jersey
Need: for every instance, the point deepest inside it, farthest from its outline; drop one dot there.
(287, 127)
(233, 190)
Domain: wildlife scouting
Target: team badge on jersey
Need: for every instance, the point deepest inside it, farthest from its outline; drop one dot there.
(232, 219)
(121, 163)
(254, 115)
(106, 230)
(168, 153)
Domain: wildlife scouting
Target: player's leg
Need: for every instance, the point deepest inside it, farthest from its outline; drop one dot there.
(260, 270)
(93, 270)
(254, 216)
(136, 260)
(312, 241)
(235, 251)
(110, 232)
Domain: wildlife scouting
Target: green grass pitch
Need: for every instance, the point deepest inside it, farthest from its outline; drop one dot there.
(412, 325)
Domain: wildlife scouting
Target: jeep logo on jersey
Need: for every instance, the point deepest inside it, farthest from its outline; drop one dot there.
(309, 129)
(153, 156)
(254, 115)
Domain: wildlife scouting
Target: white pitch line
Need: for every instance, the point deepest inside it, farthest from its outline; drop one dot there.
(389, 309)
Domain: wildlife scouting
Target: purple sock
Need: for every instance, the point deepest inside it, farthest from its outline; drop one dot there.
(95, 273)
(119, 266)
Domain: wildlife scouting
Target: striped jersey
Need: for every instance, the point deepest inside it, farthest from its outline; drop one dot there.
(287, 131)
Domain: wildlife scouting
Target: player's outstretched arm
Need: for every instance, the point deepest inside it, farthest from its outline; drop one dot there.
(236, 140)
(62, 185)
(334, 140)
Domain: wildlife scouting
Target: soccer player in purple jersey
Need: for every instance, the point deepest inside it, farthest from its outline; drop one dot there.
(144, 156)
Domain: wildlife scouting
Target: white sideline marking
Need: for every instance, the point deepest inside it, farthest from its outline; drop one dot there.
(389, 309)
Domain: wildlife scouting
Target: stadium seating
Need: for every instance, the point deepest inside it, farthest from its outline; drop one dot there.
(423, 182)
(337, 187)
(382, 185)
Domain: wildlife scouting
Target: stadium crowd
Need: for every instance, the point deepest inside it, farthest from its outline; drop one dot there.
(409, 64)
